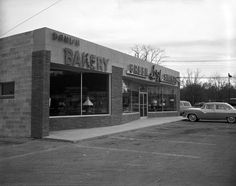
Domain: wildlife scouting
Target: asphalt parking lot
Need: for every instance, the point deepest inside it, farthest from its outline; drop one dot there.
(179, 153)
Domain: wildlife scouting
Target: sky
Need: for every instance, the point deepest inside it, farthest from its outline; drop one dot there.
(195, 34)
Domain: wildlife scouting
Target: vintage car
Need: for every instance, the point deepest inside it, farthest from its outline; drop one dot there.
(212, 111)
(184, 105)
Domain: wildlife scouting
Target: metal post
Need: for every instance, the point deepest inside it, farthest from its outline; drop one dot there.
(229, 76)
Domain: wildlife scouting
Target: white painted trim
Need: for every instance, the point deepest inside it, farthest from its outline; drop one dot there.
(163, 111)
(129, 113)
(79, 116)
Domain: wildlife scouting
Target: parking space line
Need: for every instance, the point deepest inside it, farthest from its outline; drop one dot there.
(32, 153)
(153, 132)
(208, 135)
(189, 142)
(171, 141)
(140, 152)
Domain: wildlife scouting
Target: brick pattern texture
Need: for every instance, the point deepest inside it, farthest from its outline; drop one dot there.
(15, 65)
(116, 95)
(40, 93)
(130, 117)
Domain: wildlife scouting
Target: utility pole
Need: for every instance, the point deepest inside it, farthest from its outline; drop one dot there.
(229, 76)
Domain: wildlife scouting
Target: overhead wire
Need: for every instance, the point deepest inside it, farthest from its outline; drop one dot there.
(22, 22)
(53, 4)
(207, 77)
(200, 61)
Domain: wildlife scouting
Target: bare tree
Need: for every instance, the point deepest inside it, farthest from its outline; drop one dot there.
(192, 77)
(148, 53)
(217, 81)
(137, 51)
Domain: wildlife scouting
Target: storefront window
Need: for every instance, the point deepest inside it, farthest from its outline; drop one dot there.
(78, 93)
(95, 94)
(168, 98)
(126, 95)
(155, 99)
(162, 98)
(135, 101)
(130, 92)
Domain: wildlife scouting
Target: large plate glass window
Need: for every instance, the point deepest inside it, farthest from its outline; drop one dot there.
(95, 93)
(169, 98)
(154, 99)
(162, 98)
(73, 93)
(130, 96)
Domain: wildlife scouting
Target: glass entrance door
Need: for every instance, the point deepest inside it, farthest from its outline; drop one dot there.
(143, 104)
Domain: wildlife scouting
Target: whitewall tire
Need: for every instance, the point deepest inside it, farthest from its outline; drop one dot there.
(192, 117)
(231, 119)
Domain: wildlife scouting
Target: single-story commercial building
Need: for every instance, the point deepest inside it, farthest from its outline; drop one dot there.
(54, 81)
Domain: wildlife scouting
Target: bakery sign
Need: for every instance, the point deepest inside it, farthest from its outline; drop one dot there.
(85, 60)
(158, 76)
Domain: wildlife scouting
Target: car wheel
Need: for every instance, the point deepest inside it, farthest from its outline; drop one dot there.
(192, 117)
(231, 119)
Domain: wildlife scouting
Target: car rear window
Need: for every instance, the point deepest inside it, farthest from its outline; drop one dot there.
(222, 107)
(187, 104)
(210, 106)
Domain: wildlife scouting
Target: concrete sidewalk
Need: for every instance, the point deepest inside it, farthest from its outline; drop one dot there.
(75, 135)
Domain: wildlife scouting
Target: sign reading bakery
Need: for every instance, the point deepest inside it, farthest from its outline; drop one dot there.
(85, 60)
(78, 58)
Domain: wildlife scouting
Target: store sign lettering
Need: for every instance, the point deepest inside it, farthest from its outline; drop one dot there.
(65, 39)
(157, 76)
(169, 79)
(137, 71)
(85, 60)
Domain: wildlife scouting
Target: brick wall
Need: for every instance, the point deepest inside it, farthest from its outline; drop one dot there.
(79, 122)
(116, 95)
(40, 93)
(130, 117)
(15, 65)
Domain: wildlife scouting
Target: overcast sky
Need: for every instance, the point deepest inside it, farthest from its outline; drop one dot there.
(196, 34)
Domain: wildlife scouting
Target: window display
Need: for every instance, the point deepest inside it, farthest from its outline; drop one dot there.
(130, 92)
(95, 93)
(155, 99)
(78, 93)
(169, 98)
(162, 98)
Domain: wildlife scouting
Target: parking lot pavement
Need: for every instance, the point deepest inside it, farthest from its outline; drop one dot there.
(179, 153)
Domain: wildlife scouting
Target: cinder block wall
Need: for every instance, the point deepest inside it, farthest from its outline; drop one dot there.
(15, 65)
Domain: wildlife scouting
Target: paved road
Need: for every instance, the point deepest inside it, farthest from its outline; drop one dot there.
(180, 153)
